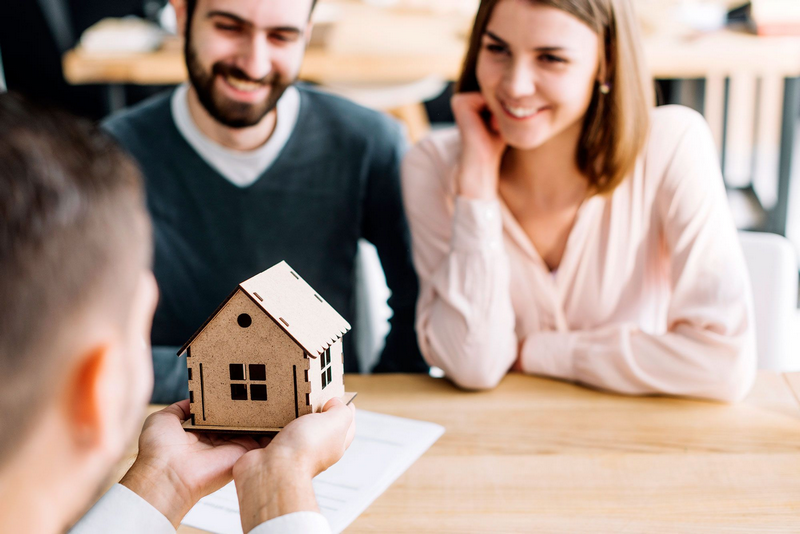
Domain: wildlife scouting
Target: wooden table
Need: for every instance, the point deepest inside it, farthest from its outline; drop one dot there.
(538, 455)
(378, 45)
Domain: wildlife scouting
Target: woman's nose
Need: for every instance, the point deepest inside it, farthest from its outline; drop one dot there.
(520, 80)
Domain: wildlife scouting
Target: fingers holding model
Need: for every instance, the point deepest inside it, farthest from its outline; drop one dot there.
(276, 480)
(174, 468)
(316, 441)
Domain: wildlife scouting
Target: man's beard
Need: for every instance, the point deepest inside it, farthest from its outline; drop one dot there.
(225, 111)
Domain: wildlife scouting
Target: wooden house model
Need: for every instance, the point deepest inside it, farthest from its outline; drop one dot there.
(271, 352)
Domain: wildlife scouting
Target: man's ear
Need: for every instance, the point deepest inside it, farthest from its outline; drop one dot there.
(180, 15)
(86, 396)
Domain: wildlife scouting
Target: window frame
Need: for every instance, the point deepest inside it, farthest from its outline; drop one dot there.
(325, 368)
(247, 381)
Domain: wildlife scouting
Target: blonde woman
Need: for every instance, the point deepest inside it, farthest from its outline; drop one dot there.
(568, 228)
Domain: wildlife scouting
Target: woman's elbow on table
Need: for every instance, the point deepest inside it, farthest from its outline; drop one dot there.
(470, 361)
(464, 372)
(476, 377)
(734, 385)
(475, 382)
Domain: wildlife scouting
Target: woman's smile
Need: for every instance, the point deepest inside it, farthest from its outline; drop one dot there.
(518, 112)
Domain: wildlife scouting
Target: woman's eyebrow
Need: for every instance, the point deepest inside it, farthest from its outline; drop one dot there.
(494, 37)
(552, 49)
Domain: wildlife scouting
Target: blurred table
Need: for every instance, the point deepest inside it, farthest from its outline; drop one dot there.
(750, 94)
(542, 455)
(369, 44)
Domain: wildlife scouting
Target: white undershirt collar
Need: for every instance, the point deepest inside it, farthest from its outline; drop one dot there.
(240, 168)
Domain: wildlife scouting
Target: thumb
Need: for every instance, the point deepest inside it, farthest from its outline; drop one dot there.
(179, 409)
(332, 404)
(341, 416)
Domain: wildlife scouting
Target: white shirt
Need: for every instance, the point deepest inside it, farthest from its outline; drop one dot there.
(122, 511)
(240, 168)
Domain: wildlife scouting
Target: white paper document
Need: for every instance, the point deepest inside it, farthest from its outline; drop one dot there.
(384, 447)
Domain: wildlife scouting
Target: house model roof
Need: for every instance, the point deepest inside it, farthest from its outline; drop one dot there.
(295, 307)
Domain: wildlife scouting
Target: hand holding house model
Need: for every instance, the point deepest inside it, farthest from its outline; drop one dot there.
(270, 353)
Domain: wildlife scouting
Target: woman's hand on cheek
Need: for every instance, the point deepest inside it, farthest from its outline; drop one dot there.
(482, 147)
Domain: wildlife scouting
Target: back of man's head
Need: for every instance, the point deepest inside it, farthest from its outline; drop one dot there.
(73, 235)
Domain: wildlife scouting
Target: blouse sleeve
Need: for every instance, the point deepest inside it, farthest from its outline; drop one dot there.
(465, 321)
(708, 349)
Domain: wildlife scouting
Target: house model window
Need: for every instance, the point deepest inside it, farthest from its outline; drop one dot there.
(257, 373)
(253, 364)
(326, 368)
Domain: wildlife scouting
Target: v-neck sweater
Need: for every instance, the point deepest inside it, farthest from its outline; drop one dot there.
(337, 179)
(241, 168)
(652, 295)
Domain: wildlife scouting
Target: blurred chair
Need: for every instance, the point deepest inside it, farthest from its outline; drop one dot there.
(372, 310)
(772, 263)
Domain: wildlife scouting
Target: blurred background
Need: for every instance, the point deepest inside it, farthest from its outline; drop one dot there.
(737, 63)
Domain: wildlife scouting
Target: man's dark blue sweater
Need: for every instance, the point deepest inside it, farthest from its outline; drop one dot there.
(335, 181)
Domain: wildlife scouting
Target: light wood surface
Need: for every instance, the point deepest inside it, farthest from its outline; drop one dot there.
(715, 54)
(369, 44)
(538, 455)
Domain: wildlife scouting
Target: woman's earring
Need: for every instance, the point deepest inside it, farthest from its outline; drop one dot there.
(605, 88)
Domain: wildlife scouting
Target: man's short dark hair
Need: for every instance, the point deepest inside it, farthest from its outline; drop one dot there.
(73, 229)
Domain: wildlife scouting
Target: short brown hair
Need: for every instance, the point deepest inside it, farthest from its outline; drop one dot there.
(616, 125)
(73, 226)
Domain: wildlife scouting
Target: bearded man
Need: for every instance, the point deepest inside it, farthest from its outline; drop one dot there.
(245, 168)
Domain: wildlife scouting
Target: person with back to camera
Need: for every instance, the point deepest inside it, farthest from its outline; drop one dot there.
(566, 227)
(78, 299)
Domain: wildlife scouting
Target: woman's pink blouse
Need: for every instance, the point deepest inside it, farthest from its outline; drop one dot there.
(652, 295)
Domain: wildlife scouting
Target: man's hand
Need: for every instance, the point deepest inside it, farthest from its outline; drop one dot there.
(174, 468)
(315, 441)
(276, 480)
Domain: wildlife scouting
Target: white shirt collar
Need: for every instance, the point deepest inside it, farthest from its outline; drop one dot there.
(240, 168)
